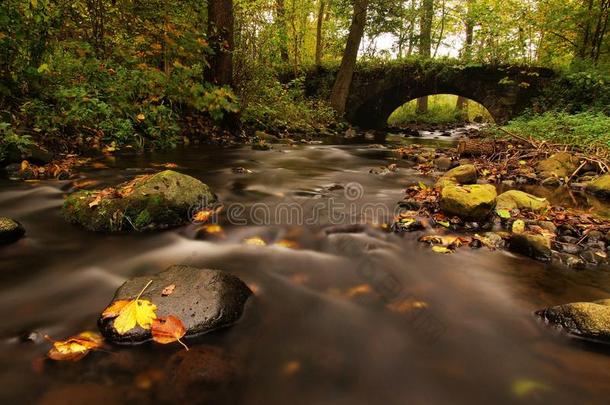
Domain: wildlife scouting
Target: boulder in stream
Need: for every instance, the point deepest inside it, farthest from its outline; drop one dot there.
(600, 186)
(471, 202)
(535, 246)
(516, 199)
(203, 299)
(145, 203)
(10, 230)
(560, 165)
(464, 174)
(588, 320)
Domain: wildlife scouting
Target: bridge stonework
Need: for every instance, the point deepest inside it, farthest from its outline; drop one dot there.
(376, 92)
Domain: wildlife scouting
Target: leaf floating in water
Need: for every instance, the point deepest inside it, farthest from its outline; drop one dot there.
(212, 229)
(406, 305)
(130, 313)
(285, 243)
(168, 330)
(361, 289)
(441, 249)
(255, 240)
(524, 387)
(76, 347)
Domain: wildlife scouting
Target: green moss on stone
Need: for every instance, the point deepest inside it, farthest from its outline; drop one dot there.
(516, 199)
(473, 202)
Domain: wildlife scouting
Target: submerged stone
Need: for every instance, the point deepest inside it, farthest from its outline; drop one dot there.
(204, 300)
(515, 199)
(147, 202)
(471, 202)
(10, 230)
(589, 320)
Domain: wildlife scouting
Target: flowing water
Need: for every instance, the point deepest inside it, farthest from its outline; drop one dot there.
(342, 314)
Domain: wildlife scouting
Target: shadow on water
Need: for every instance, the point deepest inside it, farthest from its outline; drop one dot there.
(352, 316)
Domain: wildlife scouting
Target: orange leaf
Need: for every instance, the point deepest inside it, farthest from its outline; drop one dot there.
(115, 309)
(168, 290)
(75, 347)
(168, 330)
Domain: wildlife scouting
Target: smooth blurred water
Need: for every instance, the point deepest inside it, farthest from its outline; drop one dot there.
(341, 318)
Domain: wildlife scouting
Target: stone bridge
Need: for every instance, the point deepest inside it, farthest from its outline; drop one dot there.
(376, 91)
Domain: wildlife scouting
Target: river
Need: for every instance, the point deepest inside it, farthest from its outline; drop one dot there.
(343, 312)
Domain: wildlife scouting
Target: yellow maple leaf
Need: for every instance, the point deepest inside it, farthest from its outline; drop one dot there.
(131, 313)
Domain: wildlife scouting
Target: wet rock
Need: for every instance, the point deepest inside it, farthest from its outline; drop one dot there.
(158, 201)
(32, 153)
(551, 182)
(588, 320)
(515, 199)
(407, 225)
(261, 145)
(470, 202)
(265, 137)
(509, 183)
(464, 174)
(594, 257)
(600, 187)
(559, 165)
(535, 246)
(546, 225)
(204, 300)
(443, 163)
(569, 248)
(594, 236)
(10, 230)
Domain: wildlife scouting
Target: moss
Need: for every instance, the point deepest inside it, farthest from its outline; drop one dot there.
(560, 165)
(464, 174)
(600, 186)
(10, 230)
(153, 202)
(585, 319)
(474, 202)
(515, 199)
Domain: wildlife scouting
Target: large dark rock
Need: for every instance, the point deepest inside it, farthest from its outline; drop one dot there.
(152, 202)
(10, 230)
(589, 320)
(204, 300)
(535, 246)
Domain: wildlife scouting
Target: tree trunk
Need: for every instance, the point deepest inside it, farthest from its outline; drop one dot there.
(220, 34)
(425, 44)
(338, 97)
(461, 105)
(319, 38)
(280, 22)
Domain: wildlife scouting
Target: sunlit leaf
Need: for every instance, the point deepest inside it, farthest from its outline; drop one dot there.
(168, 330)
(75, 347)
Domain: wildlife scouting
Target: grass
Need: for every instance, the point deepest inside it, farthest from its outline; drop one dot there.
(441, 110)
(587, 130)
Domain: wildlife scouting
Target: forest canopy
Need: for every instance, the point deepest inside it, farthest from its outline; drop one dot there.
(86, 74)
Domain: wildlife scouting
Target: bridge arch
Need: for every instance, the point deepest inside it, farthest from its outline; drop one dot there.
(375, 92)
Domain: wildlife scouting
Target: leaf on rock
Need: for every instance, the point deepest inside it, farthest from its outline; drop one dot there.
(76, 347)
(518, 226)
(203, 216)
(168, 290)
(504, 214)
(441, 249)
(130, 313)
(168, 330)
(255, 240)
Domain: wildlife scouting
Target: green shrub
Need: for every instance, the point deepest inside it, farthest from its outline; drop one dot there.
(587, 130)
(441, 110)
(11, 141)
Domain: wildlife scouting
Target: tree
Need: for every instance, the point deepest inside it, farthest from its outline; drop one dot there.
(319, 27)
(425, 43)
(280, 22)
(461, 105)
(340, 90)
(220, 34)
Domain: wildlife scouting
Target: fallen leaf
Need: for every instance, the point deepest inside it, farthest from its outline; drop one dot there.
(141, 117)
(130, 313)
(406, 305)
(504, 214)
(76, 347)
(255, 240)
(285, 243)
(168, 290)
(202, 216)
(359, 290)
(168, 330)
(441, 249)
(518, 226)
